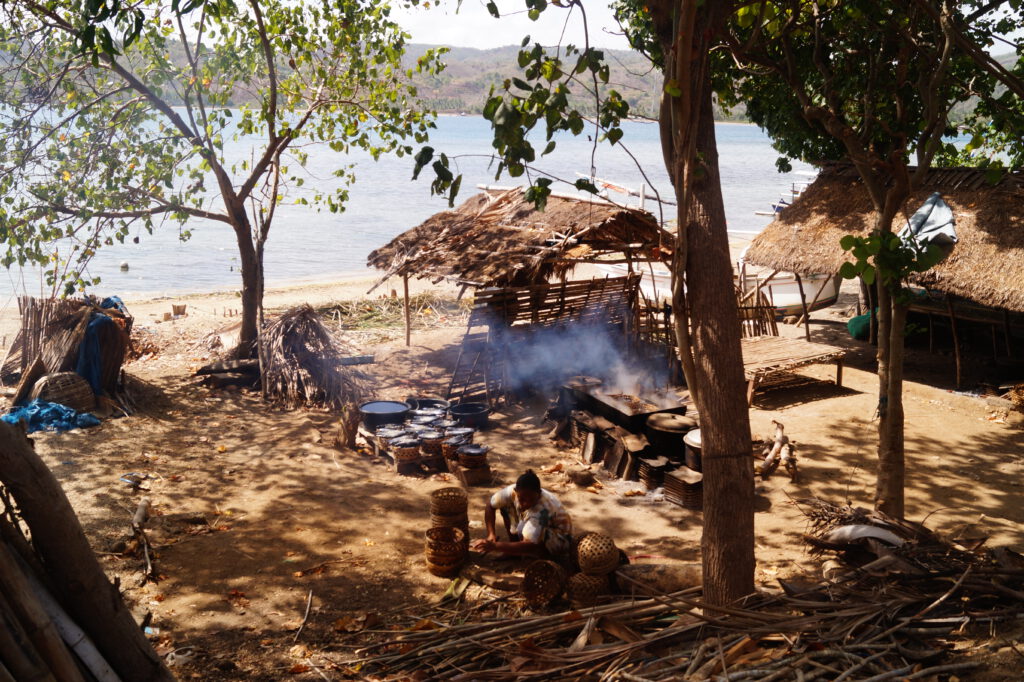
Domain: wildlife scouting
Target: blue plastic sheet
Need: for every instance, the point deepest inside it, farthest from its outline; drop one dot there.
(40, 415)
(90, 361)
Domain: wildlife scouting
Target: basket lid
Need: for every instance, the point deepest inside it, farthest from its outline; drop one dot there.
(692, 438)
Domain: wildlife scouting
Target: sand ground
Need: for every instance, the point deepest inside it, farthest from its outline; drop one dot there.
(254, 510)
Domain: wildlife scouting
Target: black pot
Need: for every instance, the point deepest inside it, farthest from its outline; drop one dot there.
(427, 403)
(473, 415)
(377, 413)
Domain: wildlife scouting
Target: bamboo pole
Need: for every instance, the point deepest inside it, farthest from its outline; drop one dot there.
(16, 651)
(803, 304)
(408, 323)
(807, 320)
(38, 625)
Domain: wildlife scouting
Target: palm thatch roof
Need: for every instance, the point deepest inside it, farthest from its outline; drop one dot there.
(498, 238)
(985, 266)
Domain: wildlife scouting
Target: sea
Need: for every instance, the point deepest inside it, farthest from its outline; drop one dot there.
(308, 244)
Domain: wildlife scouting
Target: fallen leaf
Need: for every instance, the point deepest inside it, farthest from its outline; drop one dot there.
(424, 624)
(593, 489)
(633, 493)
(298, 669)
(552, 469)
(222, 448)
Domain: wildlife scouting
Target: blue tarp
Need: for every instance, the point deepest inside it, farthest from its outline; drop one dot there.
(90, 361)
(44, 416)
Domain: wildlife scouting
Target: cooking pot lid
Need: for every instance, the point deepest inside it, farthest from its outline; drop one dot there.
(473, 450)
(666, 421)
(428, 412)
(389, 432)
(455, 440)
(692, 438)
(431, 435)
(460, 431)
(406, 442)
(446, 424)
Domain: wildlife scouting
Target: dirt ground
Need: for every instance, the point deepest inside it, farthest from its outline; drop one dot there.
(256, 515)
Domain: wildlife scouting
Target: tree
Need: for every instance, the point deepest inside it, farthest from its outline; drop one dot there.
(872, 83)
(113, 116)
(678, 34)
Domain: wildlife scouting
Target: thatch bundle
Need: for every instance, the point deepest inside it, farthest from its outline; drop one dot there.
(500, 239)
(302, 363)
(986, 265)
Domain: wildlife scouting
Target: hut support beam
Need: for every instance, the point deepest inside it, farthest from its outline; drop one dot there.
(806, 319)
(956, 340)
(1007, 334)
(803, 304)
(405, 299)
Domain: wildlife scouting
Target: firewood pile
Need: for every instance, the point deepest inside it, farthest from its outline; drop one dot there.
(895, 600)
(60, 617)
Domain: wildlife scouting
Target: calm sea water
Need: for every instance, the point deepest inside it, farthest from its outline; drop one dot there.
(308, 245)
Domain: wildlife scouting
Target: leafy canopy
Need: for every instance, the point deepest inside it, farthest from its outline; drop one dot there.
(114, 117)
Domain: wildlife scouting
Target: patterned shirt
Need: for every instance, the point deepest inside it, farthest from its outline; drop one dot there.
(547, 515)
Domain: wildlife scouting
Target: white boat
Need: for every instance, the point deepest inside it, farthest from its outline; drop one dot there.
(782, 290)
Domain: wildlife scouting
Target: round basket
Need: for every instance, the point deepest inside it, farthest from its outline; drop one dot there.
(584, 589)
(543, 582)
(449, 502)
(443, 569)
(431, 443)
(406, 449)
(66, 388)
(450, 447)
(445, 545)
(597, 554)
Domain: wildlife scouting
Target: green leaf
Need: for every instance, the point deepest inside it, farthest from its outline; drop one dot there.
(422, 158)
(493, 9)
(672, 88)
(614, 135)
(868, 275)
(847, 242)
(847, 271)
(585, 185)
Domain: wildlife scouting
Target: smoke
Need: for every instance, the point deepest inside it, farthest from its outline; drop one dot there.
(540, 360)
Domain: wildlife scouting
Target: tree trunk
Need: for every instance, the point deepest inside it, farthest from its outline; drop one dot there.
(727, 544)
(80, 584)
(889, 494)
(251, 293)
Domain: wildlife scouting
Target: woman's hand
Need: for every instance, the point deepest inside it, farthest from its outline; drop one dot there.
(484, 545)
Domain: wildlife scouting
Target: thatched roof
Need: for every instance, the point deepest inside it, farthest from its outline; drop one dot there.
(500, 239)
(986, 265)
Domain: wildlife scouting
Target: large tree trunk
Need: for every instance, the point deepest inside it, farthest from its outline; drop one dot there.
(728, 541)
(80, 584)
(712, 340)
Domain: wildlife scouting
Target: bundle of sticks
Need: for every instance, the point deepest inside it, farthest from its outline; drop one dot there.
(864, 624)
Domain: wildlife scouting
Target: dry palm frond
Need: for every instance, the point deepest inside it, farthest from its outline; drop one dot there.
(302, 363)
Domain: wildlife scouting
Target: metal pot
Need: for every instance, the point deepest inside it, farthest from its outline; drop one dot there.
(377, 413)
(470, 414)
(428, 403)
(693, 444)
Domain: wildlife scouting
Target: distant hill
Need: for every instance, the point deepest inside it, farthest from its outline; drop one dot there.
(464, 84)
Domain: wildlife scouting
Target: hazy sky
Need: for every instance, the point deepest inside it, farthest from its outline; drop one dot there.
(472, 26)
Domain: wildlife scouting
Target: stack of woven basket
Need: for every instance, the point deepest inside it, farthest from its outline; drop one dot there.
(449, 509)
(445, 551)
(598, 557)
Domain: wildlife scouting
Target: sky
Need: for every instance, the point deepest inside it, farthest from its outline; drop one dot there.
(446, 23)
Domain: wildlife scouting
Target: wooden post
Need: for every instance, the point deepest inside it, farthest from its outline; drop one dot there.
(803, 304)
(931, 333)
(956, 339)
(807, 320)
(1007, 334)
(408, 323)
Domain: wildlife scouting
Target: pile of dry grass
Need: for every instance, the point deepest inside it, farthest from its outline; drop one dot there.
(302, 363)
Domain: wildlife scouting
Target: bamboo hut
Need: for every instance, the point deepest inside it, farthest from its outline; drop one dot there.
(981, 280)
(499, 239)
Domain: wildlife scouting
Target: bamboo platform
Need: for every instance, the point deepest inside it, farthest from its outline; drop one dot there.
(765, 356)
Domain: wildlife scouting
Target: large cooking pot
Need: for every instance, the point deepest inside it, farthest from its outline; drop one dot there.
(473, 415)
(665, 432)
(378, 413)
(693, 444)
(427, 403)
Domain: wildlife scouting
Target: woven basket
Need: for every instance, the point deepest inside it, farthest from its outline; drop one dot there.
(445, 545)
(597, 554)
(444, 570)
(543, 582)
(450, 447)
(66, 388)
(449, 502)
(472, 461)
(584, 590)
(407, 454)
